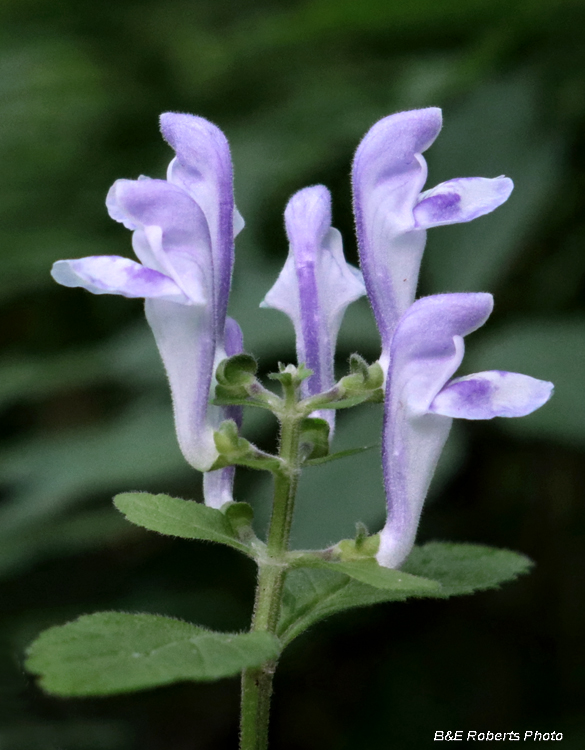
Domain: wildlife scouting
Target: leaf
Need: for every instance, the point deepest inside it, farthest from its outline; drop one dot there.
(465, 568)
(339, 454)
(311, 594)
(368, 571)
(114, 652)
(183, 518)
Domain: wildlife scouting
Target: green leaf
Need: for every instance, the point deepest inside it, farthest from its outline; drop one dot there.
(312, 594)
(465, 568)
(368, 571)
(113, 652)
(183, 518)
(335, 456)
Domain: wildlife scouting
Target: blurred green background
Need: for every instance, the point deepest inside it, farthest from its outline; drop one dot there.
(85, 410)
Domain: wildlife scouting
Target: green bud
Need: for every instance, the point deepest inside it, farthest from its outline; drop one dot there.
(290, 375)
(363, 378)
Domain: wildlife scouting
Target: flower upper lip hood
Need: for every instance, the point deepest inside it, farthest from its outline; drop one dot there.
(183, 235)
(203, 168)
(392, 213)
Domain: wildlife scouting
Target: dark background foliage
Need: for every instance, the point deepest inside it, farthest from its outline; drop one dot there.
(85, 410)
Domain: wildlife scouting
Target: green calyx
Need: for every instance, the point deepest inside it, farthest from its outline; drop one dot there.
(362, 377)
(314, 440)
(362, 547)
(234, 449)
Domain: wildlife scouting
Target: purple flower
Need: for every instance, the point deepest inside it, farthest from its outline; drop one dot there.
(421, 400)
(183, 231)
(314, 287)
(392, 214)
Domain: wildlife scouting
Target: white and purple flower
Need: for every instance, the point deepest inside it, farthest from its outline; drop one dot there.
(183, 235)
(392, 214)
(314, 287)
(422, 399)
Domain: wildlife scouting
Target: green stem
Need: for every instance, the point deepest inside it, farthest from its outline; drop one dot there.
(257, 683)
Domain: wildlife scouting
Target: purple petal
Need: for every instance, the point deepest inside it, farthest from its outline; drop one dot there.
(170, 229)
(203, 168)
(485, 395)
(112, 274)
(427, 348)
(388, 175)
(460, 200)
(184, 336)
(315, 286)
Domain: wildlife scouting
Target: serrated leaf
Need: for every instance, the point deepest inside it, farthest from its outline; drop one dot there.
(312, 594)
(336, 456)
(183, 518)
(368, 571)
(114, 652)
(465, 568)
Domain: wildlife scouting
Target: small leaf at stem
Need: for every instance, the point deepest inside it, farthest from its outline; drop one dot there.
(114, 652)
(183, 518)
(336, 456)
(347, 403)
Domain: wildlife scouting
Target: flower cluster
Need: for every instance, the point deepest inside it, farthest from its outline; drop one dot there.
(183, 235)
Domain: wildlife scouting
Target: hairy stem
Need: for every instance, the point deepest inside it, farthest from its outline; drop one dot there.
(257, 683)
